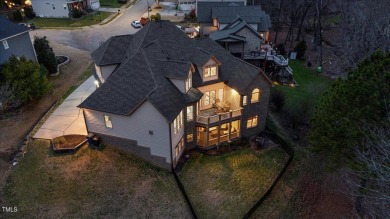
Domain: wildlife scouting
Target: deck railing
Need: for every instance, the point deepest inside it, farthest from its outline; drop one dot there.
(219, 117)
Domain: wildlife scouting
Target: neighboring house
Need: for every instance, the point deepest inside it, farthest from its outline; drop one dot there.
(15, 40)
(238, 38)
(214, 16)
(162, 93)
(61, 8)
(243, 41)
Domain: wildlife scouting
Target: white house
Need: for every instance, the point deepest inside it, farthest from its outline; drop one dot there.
(162, 93)
(61, 8)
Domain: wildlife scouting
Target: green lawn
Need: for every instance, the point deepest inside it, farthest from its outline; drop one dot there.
(311, 86)
(228, 186)
(91, 184)
(110, 4)
(87, 20)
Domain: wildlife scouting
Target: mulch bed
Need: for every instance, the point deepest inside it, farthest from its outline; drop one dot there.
(61, 59)
(68, 142)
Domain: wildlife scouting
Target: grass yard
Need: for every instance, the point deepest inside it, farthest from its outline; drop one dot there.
(311, 86)
(91, 184)
(228, 186)
(87, 20)
(110, 4)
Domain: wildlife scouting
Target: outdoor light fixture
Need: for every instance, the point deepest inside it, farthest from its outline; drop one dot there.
(97, 84)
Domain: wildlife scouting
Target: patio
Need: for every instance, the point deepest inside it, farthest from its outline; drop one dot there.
(68, 119)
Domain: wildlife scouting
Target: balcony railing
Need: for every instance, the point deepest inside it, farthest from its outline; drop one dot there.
(218, 117)
(268, 55)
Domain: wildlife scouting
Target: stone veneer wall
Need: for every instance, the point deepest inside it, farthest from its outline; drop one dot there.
(132, 147)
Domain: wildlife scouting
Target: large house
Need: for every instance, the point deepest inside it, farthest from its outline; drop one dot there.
(162, 93)
(15, 40)
(61, 8)
(213, 16)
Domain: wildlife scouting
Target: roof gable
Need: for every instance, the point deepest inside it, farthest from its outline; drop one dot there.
(230, 31)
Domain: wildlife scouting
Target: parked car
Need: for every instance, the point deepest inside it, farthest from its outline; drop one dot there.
(136, 24)
(29, 25)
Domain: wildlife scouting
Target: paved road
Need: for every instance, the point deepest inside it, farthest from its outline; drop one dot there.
(89, 38)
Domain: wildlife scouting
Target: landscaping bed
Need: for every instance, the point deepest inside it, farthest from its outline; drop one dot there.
(62, 60)
(227, 186)
(68, 142)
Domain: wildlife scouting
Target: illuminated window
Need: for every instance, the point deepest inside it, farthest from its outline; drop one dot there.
(251, 122)
(190, 136)
(178, 123)
(255, 95)
(206, 98)
(190, 113)
(179, 147)
(189, 82)
(107, 121)
(210, 71)
(244, 100)
(212, 96)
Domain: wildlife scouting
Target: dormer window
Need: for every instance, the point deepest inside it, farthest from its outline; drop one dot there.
(210, 71)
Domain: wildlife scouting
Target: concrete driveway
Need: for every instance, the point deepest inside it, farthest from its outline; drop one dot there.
(68, 119)
(90, 37)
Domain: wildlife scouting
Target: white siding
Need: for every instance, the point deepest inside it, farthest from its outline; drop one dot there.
(94, 4)
(180, 84)
(107, 70)
(135, 127)
(50, 8)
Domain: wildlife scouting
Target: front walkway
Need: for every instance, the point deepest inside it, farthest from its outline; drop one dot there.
(68, 119)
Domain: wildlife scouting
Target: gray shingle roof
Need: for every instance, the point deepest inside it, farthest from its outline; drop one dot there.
(9, 29)
(113, 51)
(204, 9)
(229, 32)
(156, 53)
(226, 13)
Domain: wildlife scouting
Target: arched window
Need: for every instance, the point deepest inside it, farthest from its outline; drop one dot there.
(255, 95)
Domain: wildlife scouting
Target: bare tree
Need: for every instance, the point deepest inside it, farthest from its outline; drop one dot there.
(373, 159)
(365, 29)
